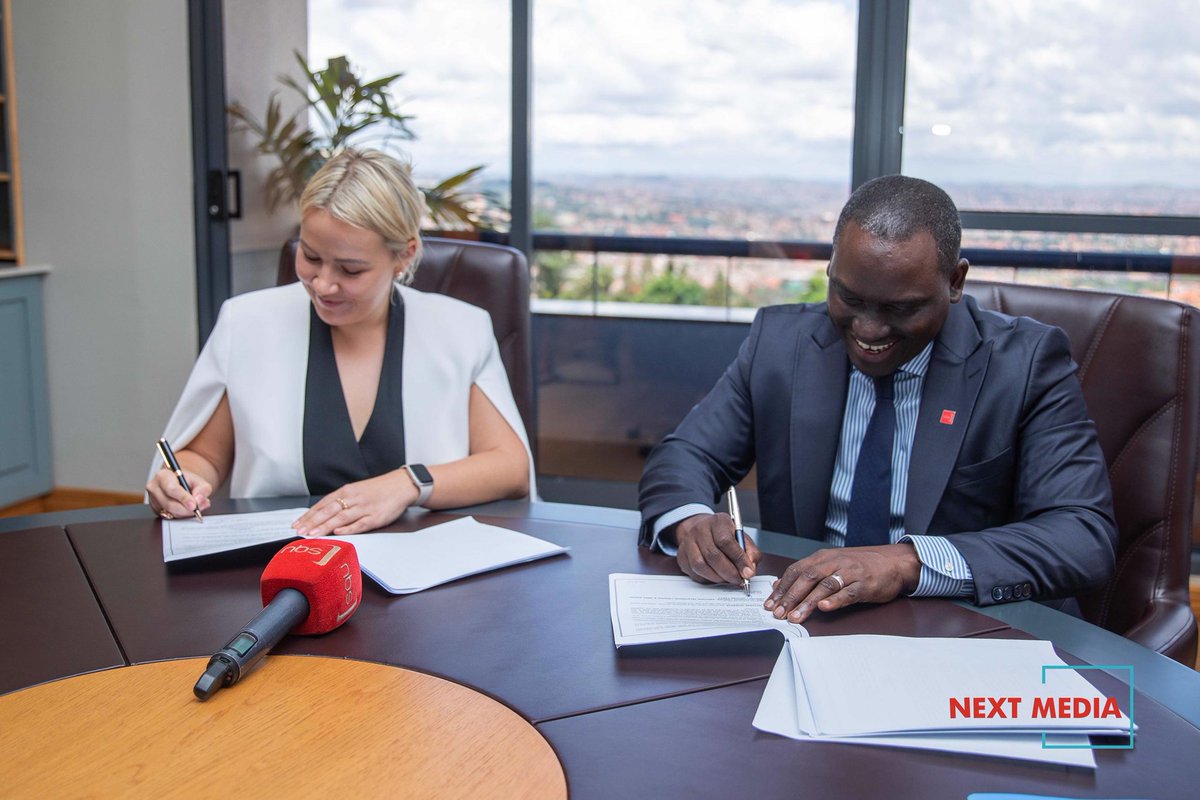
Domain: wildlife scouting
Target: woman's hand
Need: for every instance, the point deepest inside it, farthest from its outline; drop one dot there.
(361, 506)
(206, 461)
(169, 500)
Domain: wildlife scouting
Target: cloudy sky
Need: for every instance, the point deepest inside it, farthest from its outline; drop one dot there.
(1075, 92)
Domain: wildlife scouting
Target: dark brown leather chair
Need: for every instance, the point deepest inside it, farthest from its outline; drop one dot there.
(1139, 363)
(489, 276)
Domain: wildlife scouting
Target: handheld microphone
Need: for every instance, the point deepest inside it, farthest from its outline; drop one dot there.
(308, 587)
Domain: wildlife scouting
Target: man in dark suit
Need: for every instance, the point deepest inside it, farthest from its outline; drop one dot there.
(939, 448)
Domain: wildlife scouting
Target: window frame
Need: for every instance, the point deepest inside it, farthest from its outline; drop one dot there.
(876, 149)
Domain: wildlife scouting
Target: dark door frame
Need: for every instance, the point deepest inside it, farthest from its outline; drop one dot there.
(206, 54)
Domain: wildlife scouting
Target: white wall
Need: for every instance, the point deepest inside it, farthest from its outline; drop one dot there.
(105, 137)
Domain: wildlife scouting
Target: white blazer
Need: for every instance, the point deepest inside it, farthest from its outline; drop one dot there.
(258, 355)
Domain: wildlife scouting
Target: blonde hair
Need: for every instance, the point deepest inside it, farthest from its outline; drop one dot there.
(371, 190)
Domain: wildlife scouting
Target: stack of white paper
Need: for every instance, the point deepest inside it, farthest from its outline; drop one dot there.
(982, 696)
(403, 563)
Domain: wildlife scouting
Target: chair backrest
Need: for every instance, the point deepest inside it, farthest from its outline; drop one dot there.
(1139, 365)
(492, 277)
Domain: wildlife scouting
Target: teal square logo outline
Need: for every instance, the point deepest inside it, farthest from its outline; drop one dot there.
(1089, 745)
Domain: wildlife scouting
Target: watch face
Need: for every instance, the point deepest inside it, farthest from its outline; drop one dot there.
(421, 473)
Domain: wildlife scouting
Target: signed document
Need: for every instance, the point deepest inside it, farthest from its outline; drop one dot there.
(189, 538)
(647, 609)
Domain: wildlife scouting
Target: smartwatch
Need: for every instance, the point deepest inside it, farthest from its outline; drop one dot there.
(423, 479)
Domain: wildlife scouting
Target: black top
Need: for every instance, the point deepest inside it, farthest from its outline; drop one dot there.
(332, 457)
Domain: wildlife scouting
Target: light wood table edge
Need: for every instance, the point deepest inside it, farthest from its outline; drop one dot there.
(300, 725)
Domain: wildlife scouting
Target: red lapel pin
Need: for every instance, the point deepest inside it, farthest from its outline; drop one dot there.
(947, 416)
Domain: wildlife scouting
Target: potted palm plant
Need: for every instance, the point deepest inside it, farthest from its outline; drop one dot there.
(345, 109)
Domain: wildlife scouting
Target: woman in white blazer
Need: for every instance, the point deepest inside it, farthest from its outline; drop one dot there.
(349, 384)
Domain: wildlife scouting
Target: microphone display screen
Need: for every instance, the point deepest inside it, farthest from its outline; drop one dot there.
(242, 643)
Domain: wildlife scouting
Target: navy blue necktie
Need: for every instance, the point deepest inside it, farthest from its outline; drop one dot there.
(871, 492)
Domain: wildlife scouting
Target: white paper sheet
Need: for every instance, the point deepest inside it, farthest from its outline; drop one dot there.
(781, 711)
(403, 563)
(188, 538)
(868, 684)
(648, 609)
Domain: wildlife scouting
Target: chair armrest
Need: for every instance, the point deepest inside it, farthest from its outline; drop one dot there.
(1169, 628)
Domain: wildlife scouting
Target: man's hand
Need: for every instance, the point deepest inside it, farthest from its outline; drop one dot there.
(867, 575)
(709, 552)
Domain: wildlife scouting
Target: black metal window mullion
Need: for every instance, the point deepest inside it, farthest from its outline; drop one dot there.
(207, 68)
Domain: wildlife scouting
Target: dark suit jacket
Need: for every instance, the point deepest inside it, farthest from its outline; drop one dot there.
(1017, 481)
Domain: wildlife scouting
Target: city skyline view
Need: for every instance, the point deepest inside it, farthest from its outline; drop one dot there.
(711, 119)
(999, 92)
(781, 210)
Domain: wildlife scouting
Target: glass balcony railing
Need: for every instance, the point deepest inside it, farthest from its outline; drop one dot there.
(674, 278)
(630, 332)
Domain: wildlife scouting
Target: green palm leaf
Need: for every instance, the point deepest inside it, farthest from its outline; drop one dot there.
(340, 109)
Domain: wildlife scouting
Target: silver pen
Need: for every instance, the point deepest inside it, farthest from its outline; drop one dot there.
(735, 513)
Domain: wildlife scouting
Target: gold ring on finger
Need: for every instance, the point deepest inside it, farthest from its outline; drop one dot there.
(345, 506)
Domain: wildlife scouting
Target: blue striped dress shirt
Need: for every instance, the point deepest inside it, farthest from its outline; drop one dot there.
(944, 572)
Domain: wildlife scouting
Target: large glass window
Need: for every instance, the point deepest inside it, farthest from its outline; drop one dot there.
(684, 118)
(691, 119)
(730, 125)
(1075, 106)
(456, 60)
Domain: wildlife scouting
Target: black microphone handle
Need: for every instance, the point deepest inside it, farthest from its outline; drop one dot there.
(227, 666)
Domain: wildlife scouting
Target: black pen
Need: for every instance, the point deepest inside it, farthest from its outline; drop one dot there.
(736, 514)
(169, 456)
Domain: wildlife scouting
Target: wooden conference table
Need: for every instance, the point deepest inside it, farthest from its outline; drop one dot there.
(87, 591)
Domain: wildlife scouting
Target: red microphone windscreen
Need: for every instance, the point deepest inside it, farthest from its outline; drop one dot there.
(326, 572)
